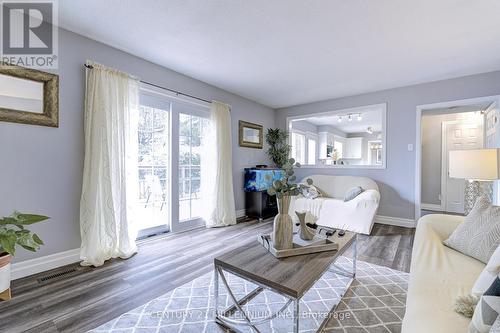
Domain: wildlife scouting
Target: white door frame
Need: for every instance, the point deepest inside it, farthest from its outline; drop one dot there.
(418, 139)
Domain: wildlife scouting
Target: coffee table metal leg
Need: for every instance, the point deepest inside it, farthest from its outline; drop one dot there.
(222, 318)
(216, 291)
(296, 315)
(354, 256)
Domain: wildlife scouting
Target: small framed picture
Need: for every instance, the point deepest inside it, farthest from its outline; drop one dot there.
(251, 135)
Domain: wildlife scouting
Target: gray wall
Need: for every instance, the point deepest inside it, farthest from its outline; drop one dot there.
(431, 154)
(41, 168)
(397, 181)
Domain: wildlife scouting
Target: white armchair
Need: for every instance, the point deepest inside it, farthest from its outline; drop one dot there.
(355, 215)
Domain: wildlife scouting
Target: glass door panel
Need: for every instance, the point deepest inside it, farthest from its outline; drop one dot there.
(191, 128)
(153, 165)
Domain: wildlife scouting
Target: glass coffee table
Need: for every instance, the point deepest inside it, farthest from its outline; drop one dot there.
(289, 277)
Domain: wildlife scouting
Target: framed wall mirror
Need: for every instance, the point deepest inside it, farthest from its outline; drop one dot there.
(348, 138)
(28, 96)
(250, 135)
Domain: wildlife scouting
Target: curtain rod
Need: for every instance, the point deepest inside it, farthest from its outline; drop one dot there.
(157, 86)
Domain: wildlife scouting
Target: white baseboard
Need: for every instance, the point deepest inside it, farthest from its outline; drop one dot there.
(396, 221)
(433, 207)
(241, 213)
(45, 263)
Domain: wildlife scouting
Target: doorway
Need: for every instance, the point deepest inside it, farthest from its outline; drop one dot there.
(441, 127)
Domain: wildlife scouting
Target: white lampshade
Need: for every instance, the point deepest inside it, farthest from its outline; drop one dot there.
(475, 164)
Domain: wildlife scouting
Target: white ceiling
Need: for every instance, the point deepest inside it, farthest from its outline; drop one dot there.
(288, 52)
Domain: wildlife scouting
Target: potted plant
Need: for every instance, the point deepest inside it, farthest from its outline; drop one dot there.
(279, 149)
(284, 189)
(13, 233)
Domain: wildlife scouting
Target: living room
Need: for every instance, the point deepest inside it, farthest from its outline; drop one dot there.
(179, 166)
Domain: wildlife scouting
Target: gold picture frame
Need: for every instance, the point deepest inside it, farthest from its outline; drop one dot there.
(251, 135)
(49, 115)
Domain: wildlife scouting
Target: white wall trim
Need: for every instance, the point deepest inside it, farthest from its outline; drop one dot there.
(396, 221)
(433, 207)
(45, 263)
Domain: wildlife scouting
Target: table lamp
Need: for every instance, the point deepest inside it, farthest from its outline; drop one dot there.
(474, 165)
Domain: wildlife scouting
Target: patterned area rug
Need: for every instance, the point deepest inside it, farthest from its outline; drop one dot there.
(375, 302)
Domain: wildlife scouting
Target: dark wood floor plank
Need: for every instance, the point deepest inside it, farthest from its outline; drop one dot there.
(90, 297)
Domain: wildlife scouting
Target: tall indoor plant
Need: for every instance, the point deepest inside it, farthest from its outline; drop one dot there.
(279, 149)
(284, 189)
(13, 233)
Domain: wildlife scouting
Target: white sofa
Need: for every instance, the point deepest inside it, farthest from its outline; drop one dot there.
(438, 275)
(355, 215)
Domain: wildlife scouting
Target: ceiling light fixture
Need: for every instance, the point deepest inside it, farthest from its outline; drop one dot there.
(359, 118)
(349, 117)
(339, 119)
(369, 130)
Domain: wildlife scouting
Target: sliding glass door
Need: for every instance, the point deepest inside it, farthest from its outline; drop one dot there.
(170, 137)
(153, 164)
(191, 129)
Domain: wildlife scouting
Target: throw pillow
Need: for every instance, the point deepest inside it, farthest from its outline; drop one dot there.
(487, 309)
(353, 193)
(310, 191)
(479, 235)
(496, 326)
(488, 274)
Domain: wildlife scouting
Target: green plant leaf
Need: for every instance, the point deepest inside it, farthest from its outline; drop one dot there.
(8, 243)
(28, 248)
(37, 239)
(30, 218)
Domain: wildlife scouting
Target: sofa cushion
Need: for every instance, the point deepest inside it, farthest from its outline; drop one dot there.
(337, 186)
(487, 309)
(353, 193)
(310, 191)
(488, 274)
(438, 276)
(479, 235)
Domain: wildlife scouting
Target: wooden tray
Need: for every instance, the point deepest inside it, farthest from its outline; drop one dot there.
(300, 247)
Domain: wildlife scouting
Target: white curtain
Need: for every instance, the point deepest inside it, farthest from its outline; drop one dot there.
(108, 193)
(217, 169)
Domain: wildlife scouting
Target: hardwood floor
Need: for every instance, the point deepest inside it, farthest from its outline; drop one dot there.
(84, 298)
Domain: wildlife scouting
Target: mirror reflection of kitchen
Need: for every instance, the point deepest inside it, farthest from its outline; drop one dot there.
(351, 138)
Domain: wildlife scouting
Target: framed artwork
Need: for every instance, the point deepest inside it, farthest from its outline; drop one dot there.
(251, 135)
(28, 96)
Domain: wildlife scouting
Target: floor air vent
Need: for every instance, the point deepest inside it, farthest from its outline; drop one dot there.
(57, 275)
